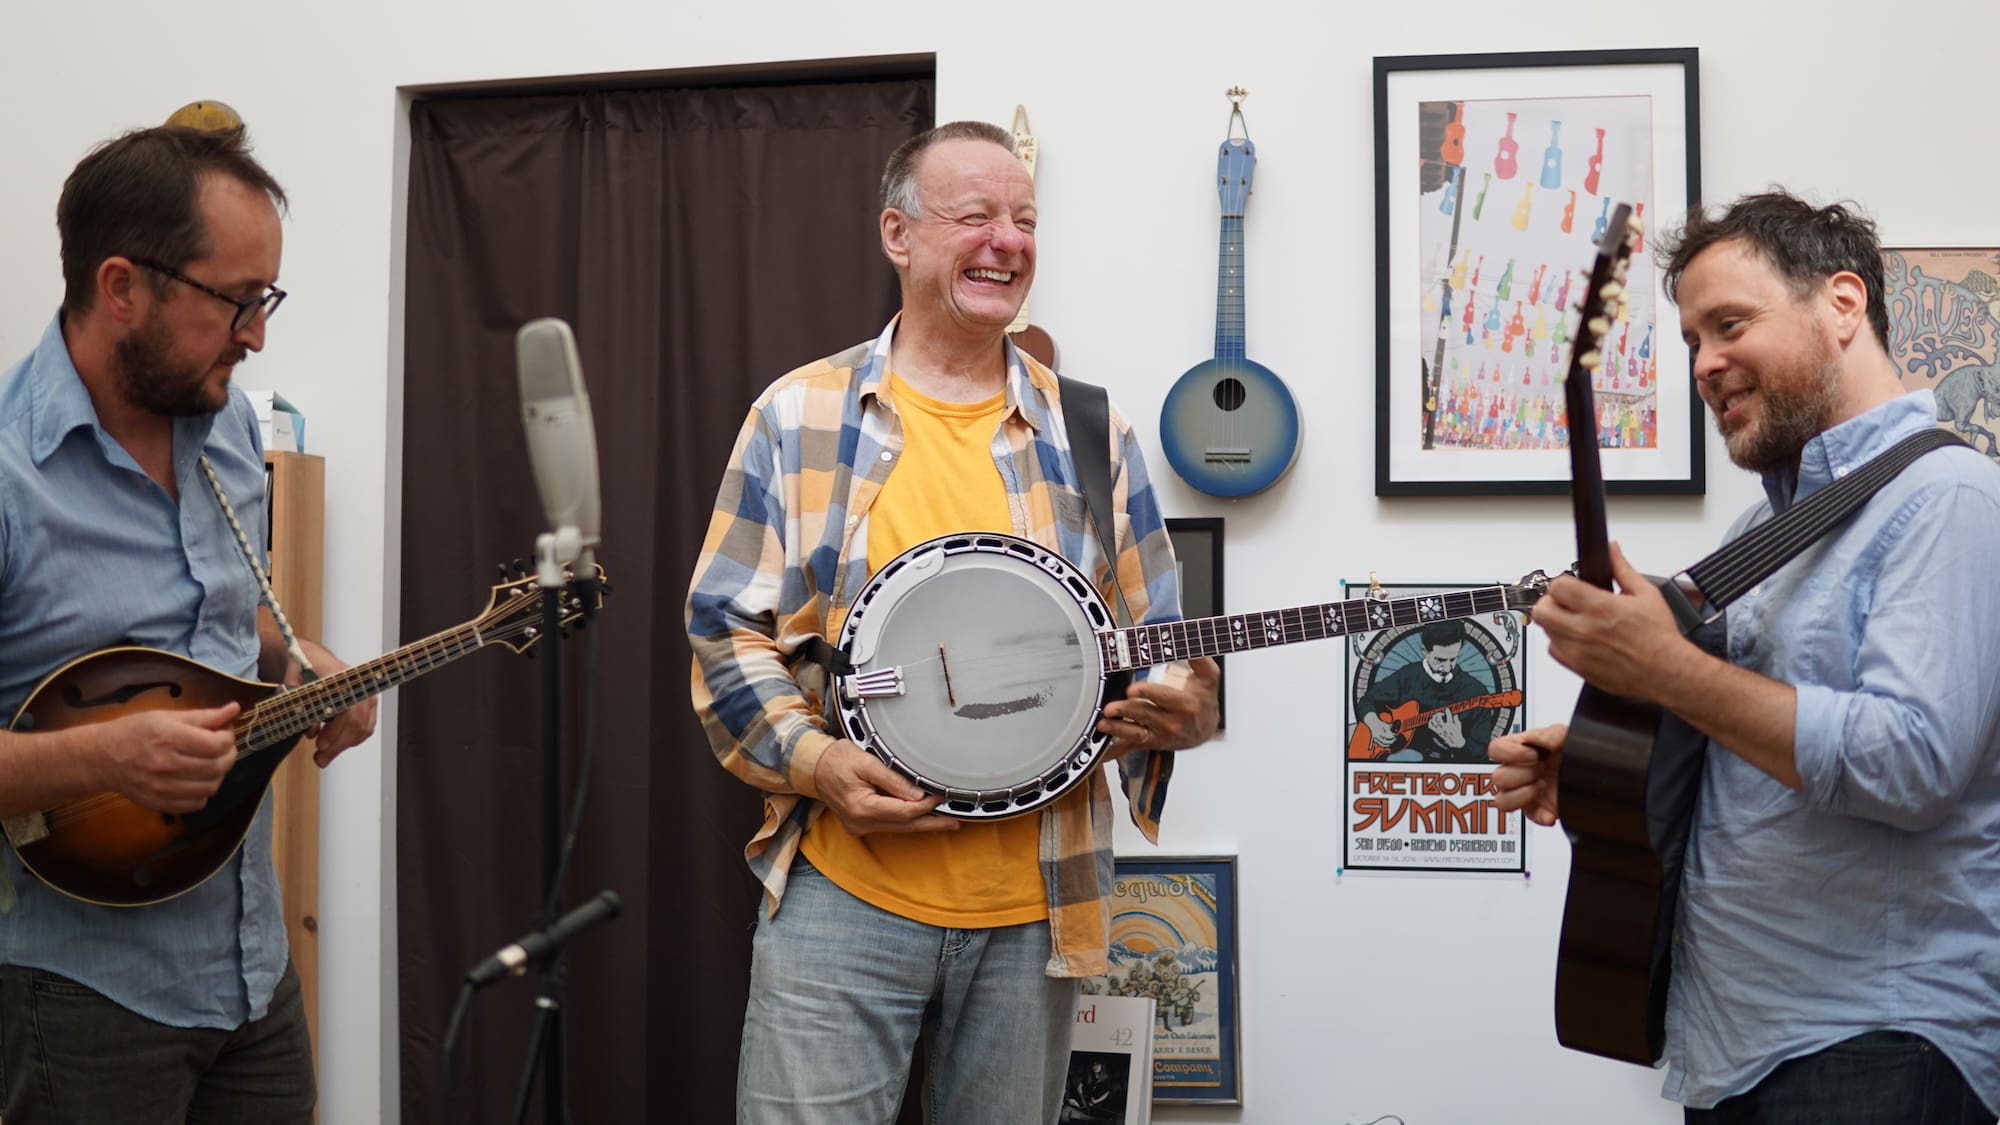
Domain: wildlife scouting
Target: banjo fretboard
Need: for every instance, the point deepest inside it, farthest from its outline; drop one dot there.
(1141, 646)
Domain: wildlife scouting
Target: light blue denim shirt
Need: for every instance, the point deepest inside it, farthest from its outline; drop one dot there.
(1870, 898)
(93, 553)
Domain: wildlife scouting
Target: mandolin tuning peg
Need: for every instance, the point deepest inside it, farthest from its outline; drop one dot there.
(502, 568)
(520, 568)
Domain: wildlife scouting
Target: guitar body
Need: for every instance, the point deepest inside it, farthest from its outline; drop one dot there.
(107, 850)
(1230, 427)
(1032, 339)
(1612, 911)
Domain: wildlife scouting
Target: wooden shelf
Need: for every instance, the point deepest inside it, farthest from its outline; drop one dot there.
(297, 497)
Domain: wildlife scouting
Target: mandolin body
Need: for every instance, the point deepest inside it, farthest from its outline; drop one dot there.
(106, 849)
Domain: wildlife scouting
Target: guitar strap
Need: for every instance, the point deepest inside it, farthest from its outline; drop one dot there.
(1673, 776)
(1738, 566)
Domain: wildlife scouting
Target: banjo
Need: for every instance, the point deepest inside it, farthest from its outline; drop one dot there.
(980, 663)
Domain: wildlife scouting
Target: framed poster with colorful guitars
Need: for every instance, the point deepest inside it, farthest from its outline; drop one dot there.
(1494, 177)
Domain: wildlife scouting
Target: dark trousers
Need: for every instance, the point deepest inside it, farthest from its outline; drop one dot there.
(68, 1056)
(1881, 1078)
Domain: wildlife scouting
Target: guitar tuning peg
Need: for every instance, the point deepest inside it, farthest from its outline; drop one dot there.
(502, 568)
(521, 567)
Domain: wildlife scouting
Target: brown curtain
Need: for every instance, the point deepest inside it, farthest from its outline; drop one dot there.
(701, 242)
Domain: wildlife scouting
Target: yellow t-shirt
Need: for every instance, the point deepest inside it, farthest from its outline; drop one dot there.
(988, 873)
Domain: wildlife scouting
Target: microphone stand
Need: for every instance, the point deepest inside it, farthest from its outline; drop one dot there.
(553, 551)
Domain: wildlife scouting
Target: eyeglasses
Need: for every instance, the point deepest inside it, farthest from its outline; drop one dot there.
(246, 307)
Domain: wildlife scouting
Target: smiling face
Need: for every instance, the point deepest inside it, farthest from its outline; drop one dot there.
(967, 256)
(1764, 356)
(178, 359)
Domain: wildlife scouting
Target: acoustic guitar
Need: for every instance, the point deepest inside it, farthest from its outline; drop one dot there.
(1229, 425)
(107, 850)
(1611, 964)
(1406, 719)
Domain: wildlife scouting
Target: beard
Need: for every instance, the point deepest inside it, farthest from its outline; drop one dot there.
(1798, 399)
(153, 379)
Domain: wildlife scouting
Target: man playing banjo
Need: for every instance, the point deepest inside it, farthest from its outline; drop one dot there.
(897, 916)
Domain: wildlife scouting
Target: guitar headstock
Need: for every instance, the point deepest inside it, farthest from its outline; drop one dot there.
(1603, 303)
(514, 614)
(1235, 164)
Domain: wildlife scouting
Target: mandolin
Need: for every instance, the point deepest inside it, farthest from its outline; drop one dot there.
(1229, 425)
(107, 850)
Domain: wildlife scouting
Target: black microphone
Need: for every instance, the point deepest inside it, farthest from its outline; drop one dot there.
(542, 943)
(562, 443)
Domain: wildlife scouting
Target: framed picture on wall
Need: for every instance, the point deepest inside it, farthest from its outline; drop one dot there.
(1198, 549)
(1495, 175)
(1944, 334)
(1173, 939)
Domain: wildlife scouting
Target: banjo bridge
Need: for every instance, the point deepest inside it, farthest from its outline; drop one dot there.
(878, 683)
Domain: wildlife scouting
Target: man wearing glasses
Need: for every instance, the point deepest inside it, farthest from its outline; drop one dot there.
(124, 456)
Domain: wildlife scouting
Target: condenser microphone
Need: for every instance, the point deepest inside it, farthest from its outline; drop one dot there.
(515, 958)
(562, 442)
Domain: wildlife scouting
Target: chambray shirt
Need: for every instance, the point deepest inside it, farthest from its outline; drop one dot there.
(1870, 899)
(93, 553)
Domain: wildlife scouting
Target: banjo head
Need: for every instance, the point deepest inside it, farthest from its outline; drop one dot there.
(978, 672)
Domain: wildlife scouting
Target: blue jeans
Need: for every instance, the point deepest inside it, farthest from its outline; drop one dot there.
(839, 990)
(1881, 1078)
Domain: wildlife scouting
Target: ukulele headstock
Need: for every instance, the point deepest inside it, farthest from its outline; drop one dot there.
(1236, 160)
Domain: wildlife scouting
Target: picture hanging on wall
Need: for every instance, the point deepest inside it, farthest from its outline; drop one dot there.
(1173, 938)
(1423, 701)
(1494, 177)
(1198, 549)
(1944, 333)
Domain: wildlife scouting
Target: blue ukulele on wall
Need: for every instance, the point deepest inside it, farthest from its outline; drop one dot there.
(1230, 426)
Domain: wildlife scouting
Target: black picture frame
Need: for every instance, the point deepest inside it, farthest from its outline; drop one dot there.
(1427, 441)
(1197, 544)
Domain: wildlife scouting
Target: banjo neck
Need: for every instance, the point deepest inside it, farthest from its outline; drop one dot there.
(1142, 646)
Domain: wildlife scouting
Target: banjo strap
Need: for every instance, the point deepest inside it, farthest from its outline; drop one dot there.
(1087, 418)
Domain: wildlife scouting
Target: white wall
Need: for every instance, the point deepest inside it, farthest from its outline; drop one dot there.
(1363, 996)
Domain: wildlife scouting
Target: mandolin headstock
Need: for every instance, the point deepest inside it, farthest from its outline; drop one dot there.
(514, 614)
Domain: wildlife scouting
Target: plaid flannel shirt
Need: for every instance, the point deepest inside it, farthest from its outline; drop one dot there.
(787, 551)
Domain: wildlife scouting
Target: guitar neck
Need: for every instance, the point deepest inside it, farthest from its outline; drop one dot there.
(1142, 646)
(1229, 290)
(293, 712)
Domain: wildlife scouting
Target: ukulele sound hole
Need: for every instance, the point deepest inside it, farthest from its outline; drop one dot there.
(1230, 393)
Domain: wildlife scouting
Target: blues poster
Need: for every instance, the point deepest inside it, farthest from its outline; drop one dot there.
(1423, 702)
